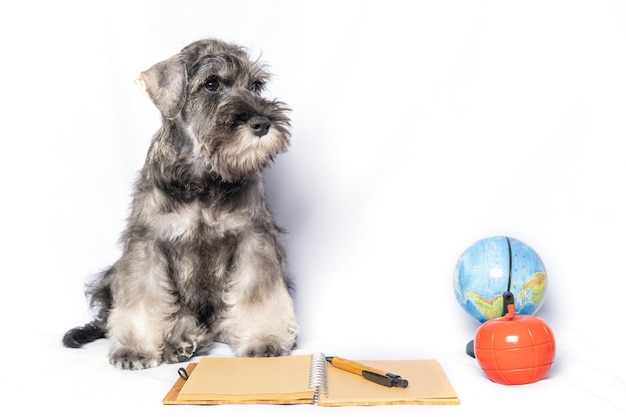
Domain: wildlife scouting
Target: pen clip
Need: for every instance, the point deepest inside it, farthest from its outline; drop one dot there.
(388, 380)
(377, 378)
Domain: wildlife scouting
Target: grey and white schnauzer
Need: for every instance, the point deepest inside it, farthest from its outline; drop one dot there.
(201, 260)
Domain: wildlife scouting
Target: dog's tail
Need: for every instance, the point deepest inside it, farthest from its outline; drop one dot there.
(101, 299)
(79, 336)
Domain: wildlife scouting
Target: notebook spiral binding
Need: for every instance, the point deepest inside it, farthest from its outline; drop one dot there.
(317, 375)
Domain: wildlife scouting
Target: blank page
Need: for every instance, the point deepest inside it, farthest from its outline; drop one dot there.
(428, 384)
(279, 380)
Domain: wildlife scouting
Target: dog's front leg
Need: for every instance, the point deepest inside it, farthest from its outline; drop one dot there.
(143, 309)
(259, 320)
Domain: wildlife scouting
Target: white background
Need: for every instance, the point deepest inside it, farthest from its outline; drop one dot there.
(418, 128)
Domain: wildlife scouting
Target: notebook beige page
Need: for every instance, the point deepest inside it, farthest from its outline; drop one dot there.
(307, 379)
(428, 384)
(278, 380)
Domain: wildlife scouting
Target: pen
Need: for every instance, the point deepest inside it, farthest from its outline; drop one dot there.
(371, 374)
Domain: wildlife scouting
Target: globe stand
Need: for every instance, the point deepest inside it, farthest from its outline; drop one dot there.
(507, 299)
(469, 349)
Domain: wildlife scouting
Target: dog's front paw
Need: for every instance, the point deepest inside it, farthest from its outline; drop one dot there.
(268, 347)
(125, 358)
(181, 351)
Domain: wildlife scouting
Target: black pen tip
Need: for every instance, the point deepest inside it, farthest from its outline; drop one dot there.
(402, 383)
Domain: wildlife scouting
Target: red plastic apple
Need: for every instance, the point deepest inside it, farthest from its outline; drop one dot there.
(515, 350)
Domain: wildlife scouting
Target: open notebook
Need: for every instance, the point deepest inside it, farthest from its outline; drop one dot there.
(307, 379)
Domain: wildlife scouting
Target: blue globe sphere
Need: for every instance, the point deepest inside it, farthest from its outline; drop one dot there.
(495, 268)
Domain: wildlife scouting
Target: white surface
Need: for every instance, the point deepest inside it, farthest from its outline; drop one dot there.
(418, 128)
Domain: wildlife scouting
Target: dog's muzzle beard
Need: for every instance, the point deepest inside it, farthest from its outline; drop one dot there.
(246, 134)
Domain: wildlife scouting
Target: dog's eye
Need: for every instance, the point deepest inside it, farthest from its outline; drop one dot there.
(257, 87)
(212, 84)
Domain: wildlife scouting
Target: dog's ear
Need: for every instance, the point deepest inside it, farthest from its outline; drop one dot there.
(166, 85)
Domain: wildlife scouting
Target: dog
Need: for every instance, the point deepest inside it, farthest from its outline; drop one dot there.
(201, 260)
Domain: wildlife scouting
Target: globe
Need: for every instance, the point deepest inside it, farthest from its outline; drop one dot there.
(493, 269)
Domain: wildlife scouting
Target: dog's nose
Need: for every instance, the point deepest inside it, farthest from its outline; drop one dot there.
(260, 125)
